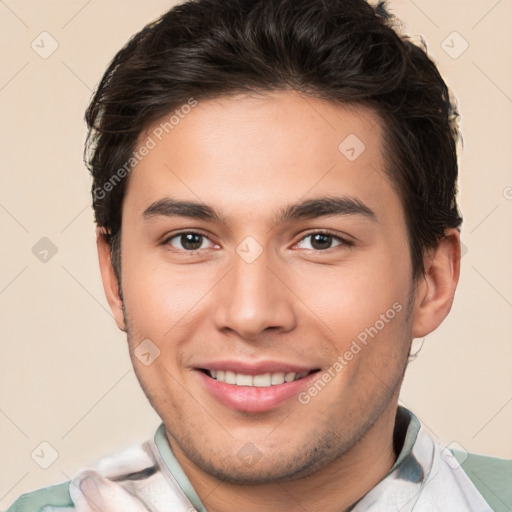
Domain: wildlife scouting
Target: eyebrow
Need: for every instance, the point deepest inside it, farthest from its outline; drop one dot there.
(324, 206)
(168, 207)
(308, 209)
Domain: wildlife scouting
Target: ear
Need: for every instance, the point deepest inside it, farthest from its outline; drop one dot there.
(108, 276)
(436, 288)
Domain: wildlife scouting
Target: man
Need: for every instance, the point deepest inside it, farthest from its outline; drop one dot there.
(274, 188)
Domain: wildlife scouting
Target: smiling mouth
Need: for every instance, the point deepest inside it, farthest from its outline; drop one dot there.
(263, 380)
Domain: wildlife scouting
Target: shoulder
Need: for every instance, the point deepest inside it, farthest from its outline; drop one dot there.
(491, 476)
(48, 499)
(125, 464)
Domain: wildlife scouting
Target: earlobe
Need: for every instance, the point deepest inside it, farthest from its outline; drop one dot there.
(436, 288)
(109, 278)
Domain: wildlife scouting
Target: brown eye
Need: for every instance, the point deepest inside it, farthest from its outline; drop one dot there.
(188, 241)
(321, 241)
(191, 241)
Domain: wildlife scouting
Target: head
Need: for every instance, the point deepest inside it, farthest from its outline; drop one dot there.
(274, 189)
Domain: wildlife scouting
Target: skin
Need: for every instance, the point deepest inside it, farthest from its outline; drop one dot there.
(248, 157)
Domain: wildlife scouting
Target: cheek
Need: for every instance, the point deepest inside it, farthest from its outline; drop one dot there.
(161, 298)
(352, 298)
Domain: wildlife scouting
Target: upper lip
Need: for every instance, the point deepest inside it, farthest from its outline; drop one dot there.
(259, 368)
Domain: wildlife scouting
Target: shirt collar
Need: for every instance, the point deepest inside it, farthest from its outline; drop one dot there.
(405, 433)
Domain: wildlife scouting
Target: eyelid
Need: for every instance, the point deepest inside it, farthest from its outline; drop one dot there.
(169, 236)
(345, 240)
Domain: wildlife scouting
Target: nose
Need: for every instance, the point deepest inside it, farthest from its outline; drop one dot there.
(254, 298)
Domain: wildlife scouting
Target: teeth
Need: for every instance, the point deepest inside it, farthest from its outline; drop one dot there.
(277, 378)
(229, 377)
(264, 380)
(289, 377)
(243, 380)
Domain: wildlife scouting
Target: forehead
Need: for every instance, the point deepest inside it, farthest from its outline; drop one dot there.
(262, 150)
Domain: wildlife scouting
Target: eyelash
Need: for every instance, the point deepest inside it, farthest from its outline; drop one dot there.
(343, 241)
(335, 236)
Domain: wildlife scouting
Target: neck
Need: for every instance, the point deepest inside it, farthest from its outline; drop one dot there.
(333, 488)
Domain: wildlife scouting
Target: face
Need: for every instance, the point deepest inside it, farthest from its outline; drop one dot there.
(265, 258)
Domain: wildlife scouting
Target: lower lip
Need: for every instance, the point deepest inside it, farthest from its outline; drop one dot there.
(254, 399)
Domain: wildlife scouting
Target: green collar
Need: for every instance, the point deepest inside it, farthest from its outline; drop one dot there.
(176, 470)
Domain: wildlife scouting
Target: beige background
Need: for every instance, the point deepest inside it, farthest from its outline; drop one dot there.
(65, 375)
